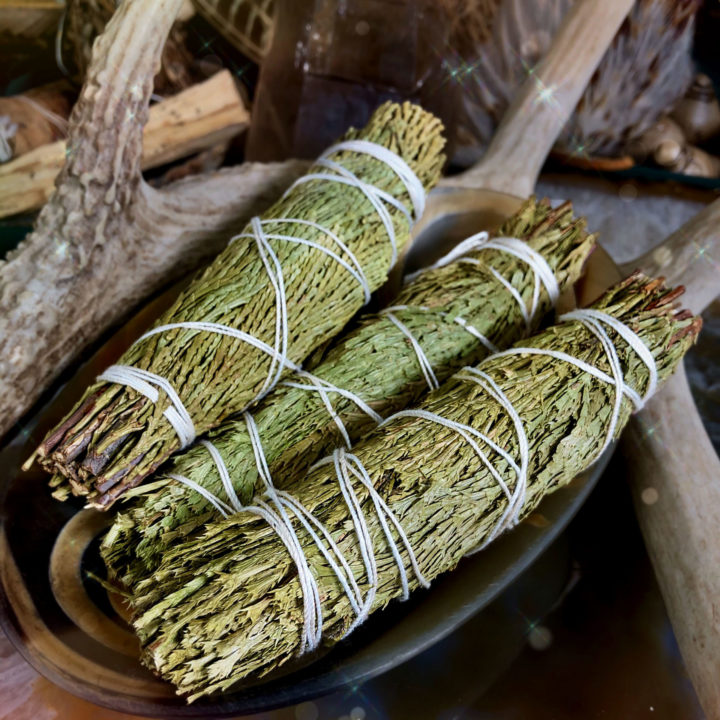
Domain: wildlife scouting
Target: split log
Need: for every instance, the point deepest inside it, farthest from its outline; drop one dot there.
(105, 239)
(193, 120)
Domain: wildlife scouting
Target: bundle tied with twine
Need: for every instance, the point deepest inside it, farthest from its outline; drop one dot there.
(456, 314)
(280, 289)
(412, 498)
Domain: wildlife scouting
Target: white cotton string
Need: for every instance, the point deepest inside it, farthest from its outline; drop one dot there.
(323, 387)
(8, 130)
(423, 361)
(275, 513)
(543, 274)
(177, 415)
(491, 347)
(221, 330)
(281, 523)
(511, 515)
(276, 517)
(223, 508)
(353, 267)
(594, 320)
(412, 183)
(362, 532)
(468, 432)
(384, 512)
(469, 244)
(631, 338)
(279, 361)
(224, 474)
(342, 571)
(345, 466)
(275, 274)
(376, 197)
(143, 382)
(312, 608)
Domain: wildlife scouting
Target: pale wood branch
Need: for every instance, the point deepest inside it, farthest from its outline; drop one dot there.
(675, 480)
(675, 472)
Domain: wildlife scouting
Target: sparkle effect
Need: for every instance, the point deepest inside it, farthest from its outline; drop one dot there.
(61, 247)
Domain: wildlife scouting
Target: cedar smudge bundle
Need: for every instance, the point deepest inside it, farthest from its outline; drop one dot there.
(413, 498)
(447, 310)
(286, 285)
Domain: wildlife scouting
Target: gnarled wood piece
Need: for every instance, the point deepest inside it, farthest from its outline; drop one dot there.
(675, 473)
(106, 239)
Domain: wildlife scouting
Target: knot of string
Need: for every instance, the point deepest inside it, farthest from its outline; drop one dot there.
(276, 507)
(148, 383)
(543, 273)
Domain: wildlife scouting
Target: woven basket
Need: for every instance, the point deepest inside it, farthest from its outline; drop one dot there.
(247, 24)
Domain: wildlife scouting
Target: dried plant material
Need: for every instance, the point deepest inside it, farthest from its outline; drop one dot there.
(646, 69)
(115, 436)
(374, 362)
(230, 607)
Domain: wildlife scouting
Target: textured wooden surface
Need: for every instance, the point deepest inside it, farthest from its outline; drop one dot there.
(676, 474)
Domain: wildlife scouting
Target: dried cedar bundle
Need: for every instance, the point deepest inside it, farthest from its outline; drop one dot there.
(287, 293)
(233, 606)
(377, 363)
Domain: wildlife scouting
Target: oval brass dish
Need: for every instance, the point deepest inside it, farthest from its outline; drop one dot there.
(66, 625)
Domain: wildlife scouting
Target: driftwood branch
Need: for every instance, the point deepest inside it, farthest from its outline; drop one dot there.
(674, 472)
(106, 239)
(193, 120)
